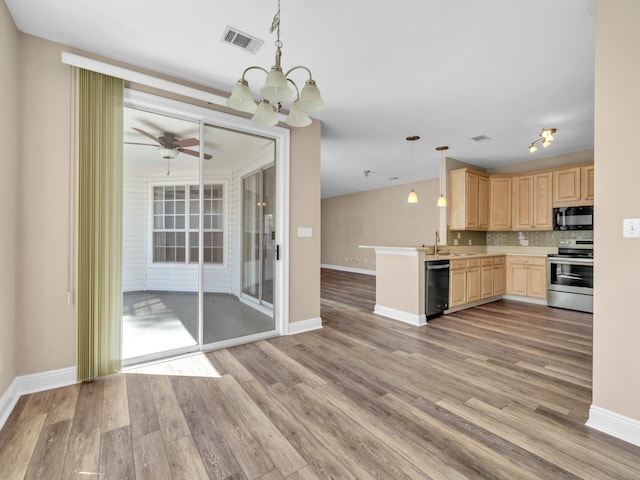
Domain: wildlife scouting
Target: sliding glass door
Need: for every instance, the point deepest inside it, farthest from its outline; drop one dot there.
(196, 229)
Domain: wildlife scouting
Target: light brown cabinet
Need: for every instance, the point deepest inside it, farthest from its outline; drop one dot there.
(499, 275)
(527, 276)
(500, 200)
(573, 186)
(468, 200)
(532, 200)
(476, 279)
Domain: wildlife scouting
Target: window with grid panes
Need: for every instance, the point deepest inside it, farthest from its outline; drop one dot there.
(176, 221)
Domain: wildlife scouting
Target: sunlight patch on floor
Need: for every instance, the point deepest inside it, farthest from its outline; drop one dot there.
(191, 365)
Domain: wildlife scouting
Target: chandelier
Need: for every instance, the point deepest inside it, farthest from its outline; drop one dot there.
(546, 137)
(276, 90)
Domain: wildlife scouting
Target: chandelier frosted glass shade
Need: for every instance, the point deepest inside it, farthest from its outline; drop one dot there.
(413, 197)
(241, 98)
(298, 117)
(442, 201)
(310, 99)
(275, 88)
(264, 114)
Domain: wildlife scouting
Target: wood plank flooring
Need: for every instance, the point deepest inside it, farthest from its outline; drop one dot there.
(500, 391)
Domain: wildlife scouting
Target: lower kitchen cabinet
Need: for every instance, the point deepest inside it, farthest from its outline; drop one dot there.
(527, 276)
(475, 279)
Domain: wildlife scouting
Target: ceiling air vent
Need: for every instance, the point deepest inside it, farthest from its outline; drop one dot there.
(239, 39)
(480, 138)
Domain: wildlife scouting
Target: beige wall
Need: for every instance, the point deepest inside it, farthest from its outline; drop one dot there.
(378, 217)
(45, 334)
(304, 252)
(37, 325)
(616, 352)
(8, 191)
(583, 156)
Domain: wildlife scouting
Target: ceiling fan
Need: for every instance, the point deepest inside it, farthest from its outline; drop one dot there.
(169, 145)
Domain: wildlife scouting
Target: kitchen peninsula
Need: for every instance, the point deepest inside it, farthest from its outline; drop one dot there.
(478, 275)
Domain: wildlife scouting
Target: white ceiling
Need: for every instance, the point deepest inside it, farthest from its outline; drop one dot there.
(445, 70)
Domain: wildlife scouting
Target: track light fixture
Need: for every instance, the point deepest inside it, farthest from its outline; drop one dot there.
(545, 137)
(276, 90)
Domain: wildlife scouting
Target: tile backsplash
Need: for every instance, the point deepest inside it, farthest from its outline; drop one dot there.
(515, 239)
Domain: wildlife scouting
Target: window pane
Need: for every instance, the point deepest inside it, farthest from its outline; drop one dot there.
(216, 222)
(171, 254)
(180, 254)
(194, 222)
(171, 239)
(180, 239)
(208, 239)
(169, 193)
(193, 255)
(216, 191)
(207, 222)
(193, 192)
(180, 207)
(158, 206)
(193, 239)
(208, 256)
(158, 221)
(216, 206)
(179, 222)
(169, 207)
(218, 237)
(158, 254)
(180, 193)
(158, 193)
(158, 239)
(168, 222)
(194, 207)
(216, 255)
(208, 206)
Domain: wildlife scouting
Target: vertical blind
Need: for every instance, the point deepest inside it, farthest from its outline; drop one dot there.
(99, 313)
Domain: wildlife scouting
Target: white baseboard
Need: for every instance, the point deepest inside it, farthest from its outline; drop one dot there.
(614, 424)
(305, 326)
(348, 269)
(36, 382)
(411, 318)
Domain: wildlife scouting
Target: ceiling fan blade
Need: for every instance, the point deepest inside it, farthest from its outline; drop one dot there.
(148, 144)
(147, 135)
(188, 142)
(195, 154)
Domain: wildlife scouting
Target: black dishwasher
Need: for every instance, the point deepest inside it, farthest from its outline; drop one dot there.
(436, 287)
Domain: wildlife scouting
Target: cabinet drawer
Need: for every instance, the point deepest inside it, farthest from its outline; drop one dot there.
(486, 261)
(499, 260)
(473, 262)
(457, 264)
(525, 260)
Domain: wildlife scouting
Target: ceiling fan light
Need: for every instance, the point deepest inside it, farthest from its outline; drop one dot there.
(241, 98)
(546, 142)
(297, 117)
(310, 99)
(413, 197)
(168, 152)
(442, 201)
(264, 114)
(532, 148)
(275, 88)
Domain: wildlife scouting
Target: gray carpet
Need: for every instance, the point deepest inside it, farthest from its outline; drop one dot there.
(159, 321)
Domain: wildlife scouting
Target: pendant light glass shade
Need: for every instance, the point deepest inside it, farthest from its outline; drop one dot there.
(298, 117)
(275, 88)
(264, 114)
(310, 99)
(241, 98)
(442, 202)
(413, 197)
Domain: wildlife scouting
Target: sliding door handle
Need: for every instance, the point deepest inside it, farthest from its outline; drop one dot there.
(277, 252)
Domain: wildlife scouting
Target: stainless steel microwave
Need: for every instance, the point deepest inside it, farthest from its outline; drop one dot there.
(573, 218)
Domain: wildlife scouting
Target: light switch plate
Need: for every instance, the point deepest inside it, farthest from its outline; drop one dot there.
(631, 228)
(305, 231)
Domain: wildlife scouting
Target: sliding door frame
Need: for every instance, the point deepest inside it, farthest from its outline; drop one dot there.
(281, 136)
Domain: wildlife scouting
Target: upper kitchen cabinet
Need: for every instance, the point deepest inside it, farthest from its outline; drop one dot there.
(500, 201)
(573, 186)
(532, 202)
(468, 200)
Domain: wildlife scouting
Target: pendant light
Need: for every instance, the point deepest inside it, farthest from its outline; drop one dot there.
(442, 201)
(413, 196)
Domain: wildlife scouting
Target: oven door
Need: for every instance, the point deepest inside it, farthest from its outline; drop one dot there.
(573, 275)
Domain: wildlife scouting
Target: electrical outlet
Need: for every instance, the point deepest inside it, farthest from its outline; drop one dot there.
(455, 241)
(524, 242)
(469, 241)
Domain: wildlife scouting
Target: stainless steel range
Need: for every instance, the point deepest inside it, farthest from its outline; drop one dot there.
(570, 278)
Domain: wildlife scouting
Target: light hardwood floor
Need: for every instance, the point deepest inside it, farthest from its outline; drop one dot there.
(500, 391)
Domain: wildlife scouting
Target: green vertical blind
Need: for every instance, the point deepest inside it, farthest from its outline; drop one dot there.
(100, 132)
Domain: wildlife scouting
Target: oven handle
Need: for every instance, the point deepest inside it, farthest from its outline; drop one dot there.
(571, 261)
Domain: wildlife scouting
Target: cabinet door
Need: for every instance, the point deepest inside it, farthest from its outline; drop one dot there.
(483, 202)
(542, 201)
(517, 279)
(486, 281)
(457, 287)
(472, 200)
(499, 279)
(473, 284)
(586, 181)
(522, 202)
(566, 187)
(537, 281)
(500, 203)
